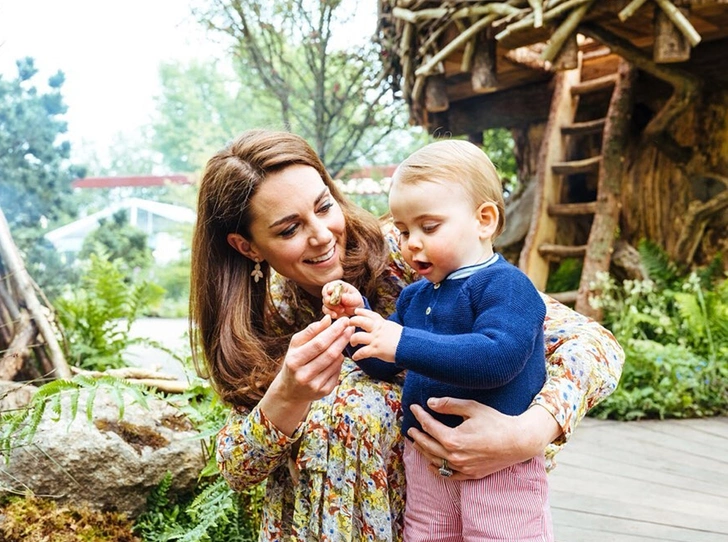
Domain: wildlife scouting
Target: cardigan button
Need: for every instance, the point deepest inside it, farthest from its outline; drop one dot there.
(429, 310)
(437, 285)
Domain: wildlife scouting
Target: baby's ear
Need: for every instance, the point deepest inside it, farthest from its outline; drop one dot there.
(487, 215)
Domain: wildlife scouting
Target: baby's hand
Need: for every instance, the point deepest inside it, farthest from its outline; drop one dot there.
(340, 299)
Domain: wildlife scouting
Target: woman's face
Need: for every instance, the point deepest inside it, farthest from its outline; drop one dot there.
(299, 228)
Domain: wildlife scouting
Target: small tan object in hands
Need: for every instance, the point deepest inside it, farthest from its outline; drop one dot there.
(336, 291)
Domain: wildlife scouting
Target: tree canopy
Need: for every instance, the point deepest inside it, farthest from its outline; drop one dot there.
(34, 169)
(330, 91)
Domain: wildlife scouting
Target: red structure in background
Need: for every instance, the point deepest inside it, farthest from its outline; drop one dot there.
(132, 181)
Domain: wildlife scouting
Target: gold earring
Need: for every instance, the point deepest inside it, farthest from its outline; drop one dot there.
(256, 273)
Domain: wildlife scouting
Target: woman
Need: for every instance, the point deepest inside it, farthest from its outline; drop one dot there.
(272, 229)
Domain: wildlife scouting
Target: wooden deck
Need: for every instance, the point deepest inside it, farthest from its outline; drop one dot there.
(648, 480)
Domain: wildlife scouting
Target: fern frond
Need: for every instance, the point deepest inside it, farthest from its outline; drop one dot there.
(21, 425)
(658, 265)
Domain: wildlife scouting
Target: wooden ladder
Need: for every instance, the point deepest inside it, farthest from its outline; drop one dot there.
(577, 205)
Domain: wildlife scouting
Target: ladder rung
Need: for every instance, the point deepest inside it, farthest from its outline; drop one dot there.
(584, 128)
(558, 252)
(572, 209)
(567, 298)
(577, 166)
(593, 85)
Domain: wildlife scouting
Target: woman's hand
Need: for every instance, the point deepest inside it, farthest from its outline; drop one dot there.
(487, 441)
(310, 371)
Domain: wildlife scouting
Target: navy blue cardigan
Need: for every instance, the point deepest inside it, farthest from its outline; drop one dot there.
(478, 335)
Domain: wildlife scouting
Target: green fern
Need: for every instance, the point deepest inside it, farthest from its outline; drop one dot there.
(97, 317)
(660, 268)
(19, 426)
(566, 277)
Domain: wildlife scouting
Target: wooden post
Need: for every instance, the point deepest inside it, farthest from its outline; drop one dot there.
(483, 74)
(18, 274)
(671, 45)
(436, 93)
(568, 57)
(606, 219)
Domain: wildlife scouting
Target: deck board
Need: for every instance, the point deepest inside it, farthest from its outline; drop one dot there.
(648, 480)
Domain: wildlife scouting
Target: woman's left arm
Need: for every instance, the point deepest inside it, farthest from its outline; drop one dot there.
(584, 362)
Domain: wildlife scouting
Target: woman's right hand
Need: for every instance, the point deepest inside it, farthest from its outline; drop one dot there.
(310, 371)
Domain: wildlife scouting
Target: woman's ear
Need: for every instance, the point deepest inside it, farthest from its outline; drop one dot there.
(242, 245)
(487, 215)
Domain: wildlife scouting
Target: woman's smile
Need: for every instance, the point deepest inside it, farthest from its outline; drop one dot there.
(303, 236)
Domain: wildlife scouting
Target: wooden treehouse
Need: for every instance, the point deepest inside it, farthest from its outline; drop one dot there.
(618, 110)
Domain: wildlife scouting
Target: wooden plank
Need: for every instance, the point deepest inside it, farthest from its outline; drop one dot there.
(631, 503)
(548, 191)
(573, 209)
(622, 444)
(567, 298)
(585, 165)
(550, 251)
(711, 439)
(658, 501)
(594, 85)
(639, 433)
(611, 465)
(650, 480)
(576, 526)
(584, 128)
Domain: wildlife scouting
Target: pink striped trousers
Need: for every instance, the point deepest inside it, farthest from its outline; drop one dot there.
(509, 505)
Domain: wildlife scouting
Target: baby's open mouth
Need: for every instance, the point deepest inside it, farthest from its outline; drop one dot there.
(422, 266)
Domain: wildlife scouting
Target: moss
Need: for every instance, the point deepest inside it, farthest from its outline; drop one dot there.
(30, 519)
(138, 436)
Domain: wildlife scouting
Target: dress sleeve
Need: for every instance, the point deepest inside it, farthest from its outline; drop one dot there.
(584, 362)
(250, 447)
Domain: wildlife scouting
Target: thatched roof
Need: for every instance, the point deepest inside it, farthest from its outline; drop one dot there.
(464, 49)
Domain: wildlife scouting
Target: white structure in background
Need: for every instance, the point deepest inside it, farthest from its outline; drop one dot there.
(157, 220)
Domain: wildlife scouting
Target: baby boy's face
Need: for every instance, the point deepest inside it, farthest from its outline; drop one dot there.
(440, 231)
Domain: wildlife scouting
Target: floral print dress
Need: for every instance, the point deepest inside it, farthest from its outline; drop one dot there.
(340, 476)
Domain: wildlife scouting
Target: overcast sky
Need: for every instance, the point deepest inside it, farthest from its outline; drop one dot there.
(110, 52)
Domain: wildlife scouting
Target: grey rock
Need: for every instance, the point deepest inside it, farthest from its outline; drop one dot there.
(108, 463)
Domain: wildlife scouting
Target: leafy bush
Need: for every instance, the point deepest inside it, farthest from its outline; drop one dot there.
(213, 511)
(666, 381)
(674, 330)
(216, 512)
(97, 315)
(174, 279)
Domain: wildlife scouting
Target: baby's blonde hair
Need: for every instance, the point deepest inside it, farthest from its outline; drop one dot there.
(459, 162)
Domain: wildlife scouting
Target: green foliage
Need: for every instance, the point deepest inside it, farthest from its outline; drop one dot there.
(201, 107)
(666, 381)
(35, 174)
(566, 277)
(498, 144)
(119, 241)
(215, 513)
(17, 427)
(36, 178)
(97, 316)
(333, 96)
(674, 329)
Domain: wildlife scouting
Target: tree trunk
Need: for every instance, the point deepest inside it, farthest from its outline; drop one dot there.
(665, 193)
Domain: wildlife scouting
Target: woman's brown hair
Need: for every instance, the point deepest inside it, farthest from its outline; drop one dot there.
(240, 354)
